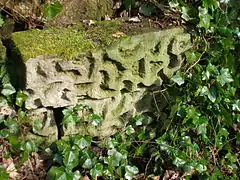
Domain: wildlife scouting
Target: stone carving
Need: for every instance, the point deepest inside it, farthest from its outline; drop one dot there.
(112, 79)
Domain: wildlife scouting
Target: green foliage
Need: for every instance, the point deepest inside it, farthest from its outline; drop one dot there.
(100, 159)
(1, 21)
(51, 10)
(3, 174)
(198, 132)
(72, 115)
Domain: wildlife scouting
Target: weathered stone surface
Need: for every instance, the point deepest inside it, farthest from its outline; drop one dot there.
(112, 79)
(75, 11)
(43, 124)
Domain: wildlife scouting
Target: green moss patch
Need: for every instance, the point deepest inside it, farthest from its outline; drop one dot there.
(64, 42)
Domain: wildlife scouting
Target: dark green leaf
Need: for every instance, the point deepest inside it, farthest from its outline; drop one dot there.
(78, 107)
(96, 119)
(87, 159)
(97, 170)
(192, 56)
(201, 168)
(224, 77)
(204, 18)
(57, 173)
(70, 159)
(179, 162)
(129, 130)
(63, 145)
(88, 164)
(178, 78)
(30, 146)
(83, 142)
(147, 9)
(8, 90)
(3, 101)
(140, 149)
(21, 97)
(70, 118)
(202, 129)
(13, 125)
(130, 171)
(114, 158)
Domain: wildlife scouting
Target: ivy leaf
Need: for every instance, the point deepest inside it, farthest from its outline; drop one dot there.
(201, 120)
(224, 77)
(201, 168)
(202, 129)
(88, 164)
(185, 13)
(192, 56)
(30, 146)
(192, 113)
(210, 93)
(129, 130)
(3, 101)
(57, 173)
(227, 43)
(204, 18)
(179, 162)
(213, 4)
(178, 78)
(97, 170)
(78, 107)
(140, 149)
(221, 137)
(139, 120)
(70, 159)
(21, 97)
(96, 119)
(111, 143)
(86, 158)
(51, 10)
(13, 125)
(8, 89)
(130, 171)
(83, 142)
(236, 106)
(63, 145)
(211, 71)
(114, 158)
(147, 9)
(173, 4)
(69, 116)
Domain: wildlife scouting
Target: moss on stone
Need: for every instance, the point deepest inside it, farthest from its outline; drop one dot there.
(64, 42)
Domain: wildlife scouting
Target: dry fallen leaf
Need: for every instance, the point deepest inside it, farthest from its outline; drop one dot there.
(118, 34)
(10, 168)
(171, 175)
